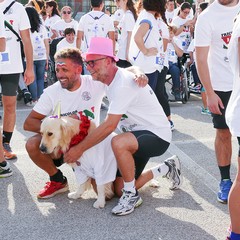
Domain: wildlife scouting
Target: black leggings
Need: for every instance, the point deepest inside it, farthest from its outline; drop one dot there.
(161, 93)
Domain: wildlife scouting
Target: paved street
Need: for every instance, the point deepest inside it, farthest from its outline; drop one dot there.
(191, 213)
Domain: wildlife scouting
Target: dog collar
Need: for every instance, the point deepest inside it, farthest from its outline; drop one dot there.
(84, 126)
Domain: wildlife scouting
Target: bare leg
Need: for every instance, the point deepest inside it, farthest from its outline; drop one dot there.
(223, 147)
(9, 113)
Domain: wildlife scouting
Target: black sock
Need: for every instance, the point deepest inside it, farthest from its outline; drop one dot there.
(6, 137)
(3, 164)
(58, 177)
(225, 172)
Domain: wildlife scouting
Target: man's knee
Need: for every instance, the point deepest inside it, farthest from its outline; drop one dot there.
(32, 144)
(223, 135)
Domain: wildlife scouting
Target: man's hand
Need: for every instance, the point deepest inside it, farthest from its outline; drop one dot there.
(28, 76)
(73, 154)
(141, 79)
(214, 104)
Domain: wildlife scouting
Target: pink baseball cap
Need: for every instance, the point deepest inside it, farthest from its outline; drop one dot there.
(101, 46)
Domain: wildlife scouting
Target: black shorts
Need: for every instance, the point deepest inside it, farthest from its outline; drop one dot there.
(150, 145)
(9, 84)
(219, 121)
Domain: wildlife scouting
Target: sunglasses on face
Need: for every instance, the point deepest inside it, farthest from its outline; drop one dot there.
(186, 12)
(91, 63)
(66, 12)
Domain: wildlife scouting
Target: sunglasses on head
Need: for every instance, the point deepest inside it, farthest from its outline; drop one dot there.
(66, 12)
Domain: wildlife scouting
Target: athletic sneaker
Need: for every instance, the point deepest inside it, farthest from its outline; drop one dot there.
(225, 186)
(27, 96)
(174, 174)
(8, 153)
(205, 111)
(171, 124)
(52, 188)
(127, 203)
(5, 171)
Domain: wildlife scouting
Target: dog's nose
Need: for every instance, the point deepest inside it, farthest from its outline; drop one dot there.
(43, 148)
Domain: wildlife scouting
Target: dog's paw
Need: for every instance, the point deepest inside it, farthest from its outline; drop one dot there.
(99, 204)
(73, 195)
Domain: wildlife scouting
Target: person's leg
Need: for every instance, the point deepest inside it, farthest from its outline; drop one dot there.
(9, 92)
(5, 169)
(174, 70)
(233, 202)
(223, 148)
(152, 80)
(40, 71)
(58, 183)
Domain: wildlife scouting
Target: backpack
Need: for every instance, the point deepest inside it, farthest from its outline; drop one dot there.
(95, 31)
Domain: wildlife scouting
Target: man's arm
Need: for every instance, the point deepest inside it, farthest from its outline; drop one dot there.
(33, 122)
(96, 136)
(28, 50)
(213, 100)
(79, 39)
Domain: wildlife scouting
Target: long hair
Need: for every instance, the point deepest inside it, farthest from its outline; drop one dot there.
(131, 7)
(157, 6)
(34, 19)
(55, 10)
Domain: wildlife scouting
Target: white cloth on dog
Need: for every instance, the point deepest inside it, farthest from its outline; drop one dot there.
(87, 97)
(98, 164)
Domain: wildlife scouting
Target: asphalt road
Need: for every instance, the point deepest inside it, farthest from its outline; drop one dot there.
(190, 213)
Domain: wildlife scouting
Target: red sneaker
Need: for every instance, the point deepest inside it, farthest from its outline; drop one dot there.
(52, 188)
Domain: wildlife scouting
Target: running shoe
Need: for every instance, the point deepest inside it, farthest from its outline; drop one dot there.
(8, 153)
(5, 171)
(127, 203)
(225, 186)
(174, 174)
(53, 188)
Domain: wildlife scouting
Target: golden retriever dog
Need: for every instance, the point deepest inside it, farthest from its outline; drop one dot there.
(98, 162)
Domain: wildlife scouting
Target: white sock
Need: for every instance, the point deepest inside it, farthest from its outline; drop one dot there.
(130, 186)
(160, 170)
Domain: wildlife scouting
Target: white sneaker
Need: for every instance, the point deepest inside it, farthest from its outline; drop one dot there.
(127, 203)
(174, 174)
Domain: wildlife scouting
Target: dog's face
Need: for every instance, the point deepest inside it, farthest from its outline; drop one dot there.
(51, 132)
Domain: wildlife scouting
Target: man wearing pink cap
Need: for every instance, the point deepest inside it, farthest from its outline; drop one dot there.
(145, 129)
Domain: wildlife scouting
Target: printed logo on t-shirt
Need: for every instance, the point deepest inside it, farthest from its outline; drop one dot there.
(86, 96)
(226, 39)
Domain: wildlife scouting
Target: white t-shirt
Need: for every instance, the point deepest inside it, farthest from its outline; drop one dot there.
(117, 16)
(2, 35)
(65, 44)
(97, 162)
(61, 25)
(233, 107)
(139, 106)
(125, 25)
(18, 18)
(191, 48)
(185, 35)
(39, 49)
(214, 31)
(169, 16)
(49, 22)
(152, 38)
(95, 24)
(87, 99)
(171, 52)
(164, 34)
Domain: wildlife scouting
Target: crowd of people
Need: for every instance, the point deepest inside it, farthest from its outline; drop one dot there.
(112, 54)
